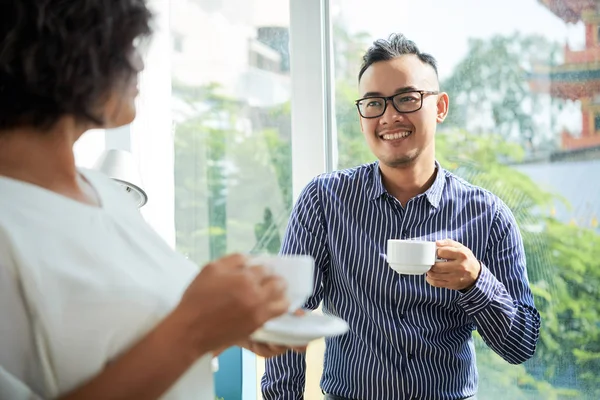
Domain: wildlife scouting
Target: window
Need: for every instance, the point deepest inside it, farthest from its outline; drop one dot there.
(177, 42)
(482, 51)
(232, 138)
(89, 148)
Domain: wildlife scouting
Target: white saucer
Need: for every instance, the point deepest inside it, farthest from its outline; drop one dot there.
(291, 330)
(410, 269)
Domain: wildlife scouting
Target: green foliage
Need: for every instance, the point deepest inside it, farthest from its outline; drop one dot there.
(563, 260)
(200, 146)
(499, 381)
(267, 234)
(489, 88)
(571, 336)
(352, 149)
(349, 49)
(280, 156)
(219, 163)
(564, 270)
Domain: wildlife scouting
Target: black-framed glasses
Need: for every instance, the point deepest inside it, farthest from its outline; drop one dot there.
(405, 102)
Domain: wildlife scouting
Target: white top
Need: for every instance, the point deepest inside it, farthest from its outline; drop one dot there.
(78, 286)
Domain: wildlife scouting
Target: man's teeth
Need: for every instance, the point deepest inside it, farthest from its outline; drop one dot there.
(394, 136)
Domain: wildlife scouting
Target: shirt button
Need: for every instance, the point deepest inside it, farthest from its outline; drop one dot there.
(401, 315)
(410, 356)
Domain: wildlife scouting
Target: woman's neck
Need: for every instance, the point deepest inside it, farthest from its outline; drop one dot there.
(44, 158)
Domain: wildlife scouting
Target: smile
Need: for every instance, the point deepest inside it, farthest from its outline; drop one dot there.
(396, 135)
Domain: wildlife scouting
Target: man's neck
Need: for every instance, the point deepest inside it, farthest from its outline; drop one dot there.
(408, 181)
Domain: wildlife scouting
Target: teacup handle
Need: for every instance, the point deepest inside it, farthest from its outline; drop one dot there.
(439, 259)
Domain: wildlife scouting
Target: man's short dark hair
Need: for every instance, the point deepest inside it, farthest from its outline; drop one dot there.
(64, 57)
(395, 46)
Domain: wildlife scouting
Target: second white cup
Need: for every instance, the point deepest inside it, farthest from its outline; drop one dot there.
(296, 270)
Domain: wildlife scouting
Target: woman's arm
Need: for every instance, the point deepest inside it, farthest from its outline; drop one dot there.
(224, 304)
(148, 369)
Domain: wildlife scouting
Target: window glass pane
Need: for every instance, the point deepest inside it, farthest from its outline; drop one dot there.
(523, 77)
(89, 148)
(231, 93)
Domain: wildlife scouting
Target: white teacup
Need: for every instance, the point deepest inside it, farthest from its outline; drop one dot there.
(411, 257)
(296, 270)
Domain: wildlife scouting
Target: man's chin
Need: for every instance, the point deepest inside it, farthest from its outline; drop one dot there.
(399, 162)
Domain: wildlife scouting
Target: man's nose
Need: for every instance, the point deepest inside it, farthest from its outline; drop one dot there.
(391, 114)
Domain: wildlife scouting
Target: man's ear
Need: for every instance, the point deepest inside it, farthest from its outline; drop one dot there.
(442, 107)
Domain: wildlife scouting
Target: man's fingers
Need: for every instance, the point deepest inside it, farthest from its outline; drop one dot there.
(433, 281)
(450, 253)
(443, 267)
(448, 243)
(439, 270)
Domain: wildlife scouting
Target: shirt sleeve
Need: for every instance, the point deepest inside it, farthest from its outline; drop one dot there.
(501, 301)
(19, 371)
(306, 233)
(14, 389)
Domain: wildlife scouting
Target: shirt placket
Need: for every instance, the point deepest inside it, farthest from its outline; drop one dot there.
(408, 217)
(397, 341)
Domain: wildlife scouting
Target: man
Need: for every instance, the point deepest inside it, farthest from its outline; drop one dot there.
(410, 336)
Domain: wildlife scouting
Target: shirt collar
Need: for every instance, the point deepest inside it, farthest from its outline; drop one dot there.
(433, 194)
(376, 188)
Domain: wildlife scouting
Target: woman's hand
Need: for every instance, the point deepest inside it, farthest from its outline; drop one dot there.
(227, 302)
(268, 350)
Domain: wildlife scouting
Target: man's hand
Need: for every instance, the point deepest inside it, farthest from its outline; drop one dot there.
(459, 272)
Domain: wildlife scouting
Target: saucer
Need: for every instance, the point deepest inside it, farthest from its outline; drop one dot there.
(410, 269)
(292, 330)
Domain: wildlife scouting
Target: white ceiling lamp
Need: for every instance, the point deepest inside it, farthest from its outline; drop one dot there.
(121, 167)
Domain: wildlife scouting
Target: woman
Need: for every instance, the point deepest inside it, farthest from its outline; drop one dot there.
(93, 304)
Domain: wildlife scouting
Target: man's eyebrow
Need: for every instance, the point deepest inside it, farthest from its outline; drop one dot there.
(399, 90)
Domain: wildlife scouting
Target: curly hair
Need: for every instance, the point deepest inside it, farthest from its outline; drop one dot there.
(63, 57)
(397, 45)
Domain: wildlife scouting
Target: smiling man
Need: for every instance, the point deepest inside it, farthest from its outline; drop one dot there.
(410, 336)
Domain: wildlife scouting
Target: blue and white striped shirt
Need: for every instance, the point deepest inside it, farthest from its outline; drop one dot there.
(407, 339)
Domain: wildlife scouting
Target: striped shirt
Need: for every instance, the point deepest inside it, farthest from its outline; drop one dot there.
(407, 339)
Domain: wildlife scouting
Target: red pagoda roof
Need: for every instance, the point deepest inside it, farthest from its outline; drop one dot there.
(572, 81)
(569, 10)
